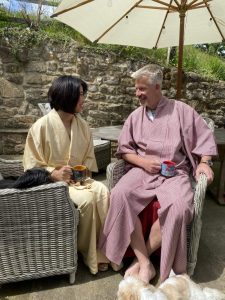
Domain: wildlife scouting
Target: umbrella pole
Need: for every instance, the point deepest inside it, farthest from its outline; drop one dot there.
(180, 55)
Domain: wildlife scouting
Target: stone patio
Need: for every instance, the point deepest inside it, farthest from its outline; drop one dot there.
(210, 269)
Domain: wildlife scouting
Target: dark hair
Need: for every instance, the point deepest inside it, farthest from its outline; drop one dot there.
(65, 92)
(32, 177)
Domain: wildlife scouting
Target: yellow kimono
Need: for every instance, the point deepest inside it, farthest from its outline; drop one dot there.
(48, 145)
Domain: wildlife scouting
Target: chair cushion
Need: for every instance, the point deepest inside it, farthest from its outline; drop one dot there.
(102, 150)
(147, 216)
(98, 144)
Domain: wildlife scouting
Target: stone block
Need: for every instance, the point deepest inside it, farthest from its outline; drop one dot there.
(12, 68)
(37, 79)
(10, 90)
(16, 78)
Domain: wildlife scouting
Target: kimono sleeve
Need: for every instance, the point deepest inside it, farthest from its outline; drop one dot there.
(89, 156)
(34, 150)
(198, 137)
(126, 143)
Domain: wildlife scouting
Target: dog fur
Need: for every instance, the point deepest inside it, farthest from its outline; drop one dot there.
(30, 178)
(177, 287)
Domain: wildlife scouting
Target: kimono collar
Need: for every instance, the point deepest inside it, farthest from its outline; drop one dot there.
(162, 102)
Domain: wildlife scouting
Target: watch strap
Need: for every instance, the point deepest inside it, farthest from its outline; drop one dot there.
(208, 162)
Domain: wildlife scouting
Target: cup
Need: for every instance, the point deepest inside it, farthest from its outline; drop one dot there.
(168, 168)
(79, 173)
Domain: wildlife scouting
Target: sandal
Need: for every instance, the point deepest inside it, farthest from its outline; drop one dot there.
(102, 267)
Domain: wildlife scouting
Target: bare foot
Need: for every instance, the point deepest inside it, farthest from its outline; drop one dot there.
(147, 272)
(133, 269)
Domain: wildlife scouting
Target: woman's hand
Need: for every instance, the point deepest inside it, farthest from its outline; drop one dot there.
(204, 168)
(62, 174)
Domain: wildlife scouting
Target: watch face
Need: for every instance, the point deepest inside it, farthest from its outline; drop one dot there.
(210, 163)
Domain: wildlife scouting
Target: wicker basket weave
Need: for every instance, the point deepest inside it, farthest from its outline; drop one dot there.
(38, 231)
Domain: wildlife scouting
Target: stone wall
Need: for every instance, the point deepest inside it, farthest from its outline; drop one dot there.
(24, 83)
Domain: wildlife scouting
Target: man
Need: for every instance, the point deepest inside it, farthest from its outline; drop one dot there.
(160, 129)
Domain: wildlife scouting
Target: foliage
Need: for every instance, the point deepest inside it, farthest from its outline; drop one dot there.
(203, 59)
(203, 63)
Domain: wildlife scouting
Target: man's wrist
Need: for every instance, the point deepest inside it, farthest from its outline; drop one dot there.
(208, 162)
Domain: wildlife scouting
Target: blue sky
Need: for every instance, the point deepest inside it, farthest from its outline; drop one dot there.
(14, 5)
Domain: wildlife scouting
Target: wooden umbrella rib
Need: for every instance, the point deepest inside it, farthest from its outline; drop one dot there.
(217, 26)
(197, 7)
(68, 9)
(166, 4)
(194, 4)
(162, 27)
(114, 24)
(200, 4)
(155, 7)
(177, 3)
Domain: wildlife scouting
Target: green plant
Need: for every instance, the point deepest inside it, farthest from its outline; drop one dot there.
(205, 63)
(21, 39)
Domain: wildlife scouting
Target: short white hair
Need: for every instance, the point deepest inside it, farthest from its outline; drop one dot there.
(153, 72)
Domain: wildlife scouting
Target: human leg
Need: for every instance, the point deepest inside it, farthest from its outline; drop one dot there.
(93, 206)
(173, 221)
(128, 198)
(155, 238)
(141, 265)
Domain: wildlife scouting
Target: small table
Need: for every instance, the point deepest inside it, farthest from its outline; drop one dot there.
(110, 133)
(220, 141)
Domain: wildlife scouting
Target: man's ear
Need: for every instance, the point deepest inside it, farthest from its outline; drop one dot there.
(157, 86)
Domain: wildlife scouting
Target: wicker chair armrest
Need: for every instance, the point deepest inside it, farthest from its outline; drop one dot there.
(44, 187)
(196, 226)
(114, 172)
(54, 190)
(11, 167)
(210, 123)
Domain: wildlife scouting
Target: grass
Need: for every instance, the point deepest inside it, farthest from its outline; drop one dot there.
(208, 65)
(205, 64)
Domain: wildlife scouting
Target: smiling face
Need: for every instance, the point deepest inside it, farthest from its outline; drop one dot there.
(148, 94)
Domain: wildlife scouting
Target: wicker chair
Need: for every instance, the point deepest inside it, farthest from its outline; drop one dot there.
(38, 230)
(116, 170)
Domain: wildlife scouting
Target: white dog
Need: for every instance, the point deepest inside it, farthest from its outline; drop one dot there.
(178, 287)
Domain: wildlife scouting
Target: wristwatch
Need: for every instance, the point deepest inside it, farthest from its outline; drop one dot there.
(208, 162)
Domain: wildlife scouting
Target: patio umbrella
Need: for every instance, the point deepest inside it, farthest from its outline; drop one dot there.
(147, 23)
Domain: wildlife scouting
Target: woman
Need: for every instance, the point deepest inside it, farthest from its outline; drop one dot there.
(62, 139)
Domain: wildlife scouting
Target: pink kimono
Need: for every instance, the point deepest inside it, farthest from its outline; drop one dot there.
(179, 134)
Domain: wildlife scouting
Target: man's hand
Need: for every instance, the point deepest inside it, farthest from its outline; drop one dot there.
(204, 168)
(62, 174)
(149, 164)
(152, 166)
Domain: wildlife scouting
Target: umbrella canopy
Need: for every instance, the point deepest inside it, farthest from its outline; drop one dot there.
(147, 23)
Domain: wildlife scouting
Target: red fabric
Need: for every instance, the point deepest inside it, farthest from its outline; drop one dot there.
(147, 217)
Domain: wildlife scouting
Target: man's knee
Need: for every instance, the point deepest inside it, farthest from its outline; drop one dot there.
(182, 211)
(121, 192)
